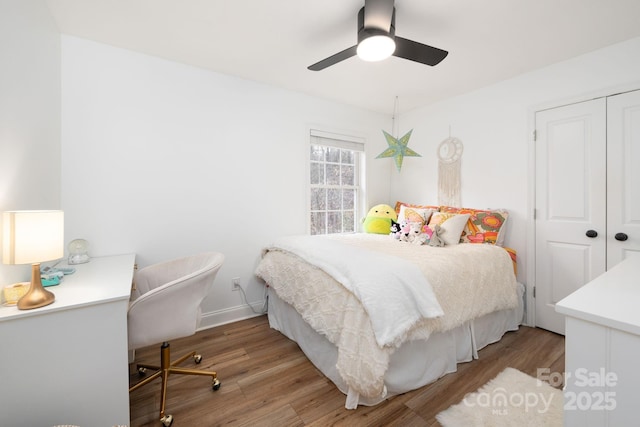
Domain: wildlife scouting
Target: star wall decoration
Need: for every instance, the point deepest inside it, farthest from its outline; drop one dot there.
(398, 149)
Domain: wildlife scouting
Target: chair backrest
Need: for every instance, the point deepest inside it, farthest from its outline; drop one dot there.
(167, 297)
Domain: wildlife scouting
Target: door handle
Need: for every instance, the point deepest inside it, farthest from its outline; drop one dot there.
(621, 237)
(592, 233)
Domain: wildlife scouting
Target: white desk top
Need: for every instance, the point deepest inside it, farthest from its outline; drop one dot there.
(612, 299)
(101, 280)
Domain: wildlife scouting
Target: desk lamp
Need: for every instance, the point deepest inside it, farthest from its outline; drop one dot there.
(32, 237)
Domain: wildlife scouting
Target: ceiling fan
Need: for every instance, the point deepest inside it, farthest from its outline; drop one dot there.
(377, 39)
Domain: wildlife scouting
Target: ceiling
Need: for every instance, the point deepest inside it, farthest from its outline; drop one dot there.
(274, 41)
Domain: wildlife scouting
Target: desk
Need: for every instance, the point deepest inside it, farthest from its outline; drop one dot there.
(602, 344)
(66, 363)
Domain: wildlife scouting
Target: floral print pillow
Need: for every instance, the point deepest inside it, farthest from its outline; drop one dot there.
(483, 226)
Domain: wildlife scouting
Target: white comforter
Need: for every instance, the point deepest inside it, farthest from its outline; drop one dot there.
(396, 299)
(469, 280)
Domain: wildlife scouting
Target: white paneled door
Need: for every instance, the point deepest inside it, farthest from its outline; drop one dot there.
(570, 212)
(587, 213)
(623, 176)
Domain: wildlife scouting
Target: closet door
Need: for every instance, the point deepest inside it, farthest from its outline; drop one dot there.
(623, 176)
(570, 211)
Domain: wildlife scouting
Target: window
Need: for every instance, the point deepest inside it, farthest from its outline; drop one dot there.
(334, 178)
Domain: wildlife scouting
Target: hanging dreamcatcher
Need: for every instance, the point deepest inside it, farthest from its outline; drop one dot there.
(397, 146)
(449, 161)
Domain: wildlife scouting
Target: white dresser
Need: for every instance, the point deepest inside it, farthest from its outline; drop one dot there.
(67, 363)
(602, 349)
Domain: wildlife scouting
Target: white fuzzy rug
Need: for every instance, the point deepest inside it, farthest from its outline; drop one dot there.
(510, 399)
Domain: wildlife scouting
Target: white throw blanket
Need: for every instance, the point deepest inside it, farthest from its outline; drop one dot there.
(469, 280)
(396, 299)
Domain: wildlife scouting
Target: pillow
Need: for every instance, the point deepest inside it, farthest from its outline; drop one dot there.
(451, 226)
(512, 254)
(413, 214)
(484, 226)
(400, 204)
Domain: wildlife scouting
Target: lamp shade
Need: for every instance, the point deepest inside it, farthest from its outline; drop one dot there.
(32, 236)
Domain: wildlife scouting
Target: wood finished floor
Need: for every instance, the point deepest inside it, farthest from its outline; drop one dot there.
(268, 381)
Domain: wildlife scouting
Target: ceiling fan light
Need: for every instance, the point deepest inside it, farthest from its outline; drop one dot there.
(376, 48)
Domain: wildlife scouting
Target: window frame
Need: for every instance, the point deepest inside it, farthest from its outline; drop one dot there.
(344, 142)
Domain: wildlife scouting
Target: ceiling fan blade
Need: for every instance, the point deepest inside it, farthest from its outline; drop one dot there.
(334, 59)
(418, 52)
(378, 14)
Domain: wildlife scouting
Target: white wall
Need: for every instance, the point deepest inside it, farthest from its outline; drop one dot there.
(165, 160)
(29, 113)
(495, 125)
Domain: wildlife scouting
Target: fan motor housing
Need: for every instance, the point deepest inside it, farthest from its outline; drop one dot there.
(364, 33)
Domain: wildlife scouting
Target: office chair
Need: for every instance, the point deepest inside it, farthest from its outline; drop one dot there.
(165, 305)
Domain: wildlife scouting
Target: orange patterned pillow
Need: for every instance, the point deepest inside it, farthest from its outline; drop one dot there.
(484, 226)
(408, 205)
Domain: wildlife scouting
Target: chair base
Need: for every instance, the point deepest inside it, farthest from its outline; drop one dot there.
(167, 368)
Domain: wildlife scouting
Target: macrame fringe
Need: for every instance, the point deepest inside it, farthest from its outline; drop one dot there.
(449, 183)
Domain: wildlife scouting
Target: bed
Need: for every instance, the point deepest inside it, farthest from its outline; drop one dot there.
(380, 317)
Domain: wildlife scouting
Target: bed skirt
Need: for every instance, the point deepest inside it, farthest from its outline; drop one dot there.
(415, 363)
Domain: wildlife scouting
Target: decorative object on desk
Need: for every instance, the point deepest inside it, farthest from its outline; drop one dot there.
(397, 147)
(50, 280)
(450, 159)
(12, 293)
(32, 237)
(78, 251)
(59, 271)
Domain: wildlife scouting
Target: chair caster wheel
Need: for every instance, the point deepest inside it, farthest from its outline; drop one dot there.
(142, 371)
(197, 358)
(167, 420)
(216, 385)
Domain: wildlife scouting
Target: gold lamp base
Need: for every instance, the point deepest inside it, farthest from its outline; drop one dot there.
(37, 296)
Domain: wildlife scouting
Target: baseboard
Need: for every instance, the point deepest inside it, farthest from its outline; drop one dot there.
(230, 315)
